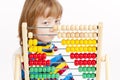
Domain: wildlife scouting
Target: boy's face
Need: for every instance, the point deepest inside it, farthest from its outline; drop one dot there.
(46, 22)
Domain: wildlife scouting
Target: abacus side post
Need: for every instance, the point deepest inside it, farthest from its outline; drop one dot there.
(17, 71)
(107, 67)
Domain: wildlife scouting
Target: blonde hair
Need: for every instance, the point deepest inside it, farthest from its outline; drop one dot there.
(32, 9)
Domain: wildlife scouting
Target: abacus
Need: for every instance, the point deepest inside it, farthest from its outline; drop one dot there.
(77, 55)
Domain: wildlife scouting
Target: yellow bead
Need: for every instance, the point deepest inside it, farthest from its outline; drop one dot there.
(35, 42)
(94, 41)
(72, 49)
(94, 49)
(85, 42)
(31, 49)
(89, 41)
(72, 41)
(81, 48)
(89, 49)
(63, 42)
(85, 49)
(67, 49)
(34, 48)
(68, 42)
(76, 49)
(77, 41)
(39, 49)
(81, 41)
(30, 42)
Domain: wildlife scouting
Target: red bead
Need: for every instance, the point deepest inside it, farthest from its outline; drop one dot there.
(80, 62)
(35, 55)
(48, 62)
(93, 62)
(80, 55)
(89, 62)
(72, 56)
(43, 56)
(76, 56)
(94, 55)
(30, 55)
(35, 62)
(39, 63)
(31, 63)
(85, 55)
(84, 62)
(44, 63)
(39, 56)
(76, 62)
(89, 55)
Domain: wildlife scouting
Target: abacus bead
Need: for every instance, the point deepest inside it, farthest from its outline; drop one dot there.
(43, 56)
(40, 69)
(77, 41)
(72, 41)
(94, 48)
(72, 56)
(30, 42)
(72, 35)
(94, 41)
(53, 76)
(67, 41)
(93, 75)
(48, 62)
(84, 69)
(76, 56)
(89, 62)
(35, 69)
(93, 55)
(80, 55)
(36, 76)
(30, 55)
(52, 69)
(94, 35)
(67, 27)
(39, 49)
(63, 42)
(95, 27)
(57, 75)
(85, 42)
(39, 56)
(81, 49)
(31, 63)
(89, 55)
(44, 75)
(81, 27)
(34, 48)
(76, 62)
(59, 34)
(67, 35)
(30, 35)
(67, 49)
(35, 42)
(90, 27)
(44, 69)
(86, 35)
(80, 62)
(32, 76)
(85, 55)
(55, 48)
(84, 75)
(93, 69)
(63, 35)
(44, 63)
(31, 69)
(81, 41)
(48, 76)
(35, 55)
(84, 62)
(88, 69)
(93, 62)
(85, 27)
(88, 75)
(80, 69)
(77, 35)
(40, 76)
(81, 35)
(85, 48)
(48, 69)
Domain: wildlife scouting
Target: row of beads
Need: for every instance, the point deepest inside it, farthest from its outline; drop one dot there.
(42, 69)
(39, 63)
(88, 75)
(32, 42)
(44, 76)
(36, 49)
(81, 49)
(40, 56)
(79, 42)
(75, 27)
(84, 62)
(77, 35)
(84, 55)
(87, 69)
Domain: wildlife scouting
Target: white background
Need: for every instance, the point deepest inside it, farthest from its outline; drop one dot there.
(75, 12)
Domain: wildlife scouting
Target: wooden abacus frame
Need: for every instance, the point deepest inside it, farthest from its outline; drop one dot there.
(19, 58)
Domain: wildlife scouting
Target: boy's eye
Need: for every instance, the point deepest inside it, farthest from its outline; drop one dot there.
(57, 21)
(45, 22)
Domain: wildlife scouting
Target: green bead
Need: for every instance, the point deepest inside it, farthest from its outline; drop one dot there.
(93, 69)
(36, 76)
(32, 76)
(93, 75)
(48, 76)
(31, 69)
(52, 69)
(53, 76)
(84, 69)
(44, 76)
(48, 69)
(57, 75)
(44, 69)
(35, 69)
(40, 69)
(84, 75)
(40, 76)
(88, 69)
(80, 69)
(88, 75)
